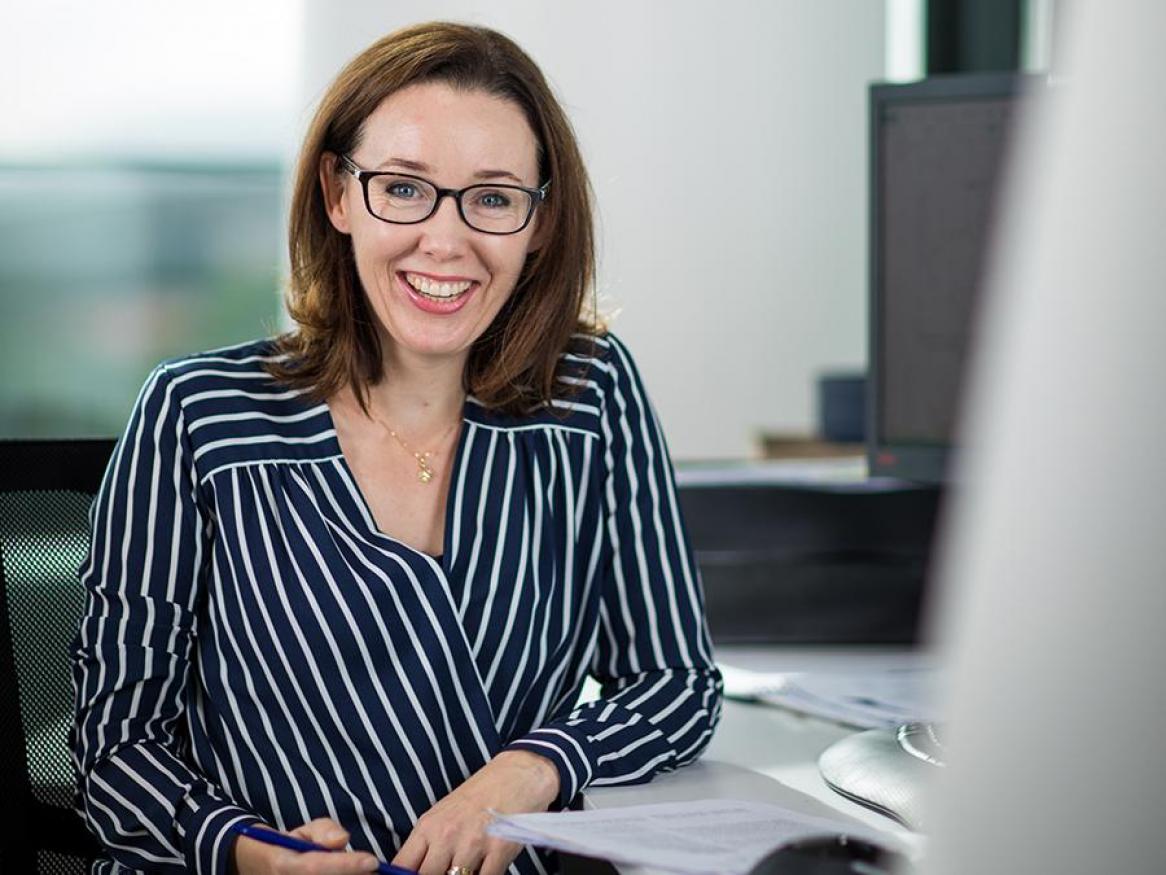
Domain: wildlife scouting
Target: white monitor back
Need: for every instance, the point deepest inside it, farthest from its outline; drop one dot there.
(1053, 581)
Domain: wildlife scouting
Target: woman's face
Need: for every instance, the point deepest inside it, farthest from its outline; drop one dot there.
(453, 139)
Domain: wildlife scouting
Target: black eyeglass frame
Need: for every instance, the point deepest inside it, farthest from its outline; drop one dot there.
(537, 195)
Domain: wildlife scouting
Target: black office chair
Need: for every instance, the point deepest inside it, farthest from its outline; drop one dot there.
(46, 489)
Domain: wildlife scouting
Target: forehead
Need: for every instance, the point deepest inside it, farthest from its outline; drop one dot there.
(455, 132)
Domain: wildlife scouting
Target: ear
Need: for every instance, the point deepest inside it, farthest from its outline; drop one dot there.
(332, 186)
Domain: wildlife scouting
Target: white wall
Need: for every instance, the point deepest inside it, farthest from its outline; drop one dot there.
(755, 107)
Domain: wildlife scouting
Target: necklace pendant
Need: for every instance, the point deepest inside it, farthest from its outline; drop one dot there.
(425, 475)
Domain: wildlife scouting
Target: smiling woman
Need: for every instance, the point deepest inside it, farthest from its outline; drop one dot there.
(521, 137)
(348, 582)
(405, 241)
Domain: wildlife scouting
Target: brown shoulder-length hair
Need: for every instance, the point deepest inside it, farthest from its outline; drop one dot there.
(512, 366)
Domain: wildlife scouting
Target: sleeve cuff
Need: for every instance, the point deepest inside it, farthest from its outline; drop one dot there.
(567, 750)
(208, 840)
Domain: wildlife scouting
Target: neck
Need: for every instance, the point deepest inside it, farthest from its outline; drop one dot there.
(419, 395)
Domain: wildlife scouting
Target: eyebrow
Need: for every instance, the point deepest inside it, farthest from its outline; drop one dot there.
(420, 167)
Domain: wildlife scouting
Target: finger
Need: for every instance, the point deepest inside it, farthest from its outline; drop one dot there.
(313, 862)
(499, 856)
(331, 863)
(437, 861)
(323, 831)
(468, 856)
(412, 852)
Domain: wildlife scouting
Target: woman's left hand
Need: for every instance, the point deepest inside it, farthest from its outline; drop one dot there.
(453, 832)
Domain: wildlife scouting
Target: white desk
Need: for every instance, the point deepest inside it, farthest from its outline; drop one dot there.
(762, 753)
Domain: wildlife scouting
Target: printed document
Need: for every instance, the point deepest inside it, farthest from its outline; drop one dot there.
(708, 836)
(875, 699)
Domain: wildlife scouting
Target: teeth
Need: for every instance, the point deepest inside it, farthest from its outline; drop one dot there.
(432, 289)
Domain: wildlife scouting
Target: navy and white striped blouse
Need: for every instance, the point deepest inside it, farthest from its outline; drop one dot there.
(254, 648)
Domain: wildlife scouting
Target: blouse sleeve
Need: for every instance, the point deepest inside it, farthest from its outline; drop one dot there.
(660, 689)
(132, 655)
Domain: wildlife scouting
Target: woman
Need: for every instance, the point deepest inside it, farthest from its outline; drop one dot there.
(348, 583)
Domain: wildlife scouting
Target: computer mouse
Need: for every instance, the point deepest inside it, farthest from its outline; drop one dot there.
(831, 855)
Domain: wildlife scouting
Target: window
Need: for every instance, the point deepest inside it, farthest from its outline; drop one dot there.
(141, 186)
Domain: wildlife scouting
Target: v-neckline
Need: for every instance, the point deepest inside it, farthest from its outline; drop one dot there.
(440, 562)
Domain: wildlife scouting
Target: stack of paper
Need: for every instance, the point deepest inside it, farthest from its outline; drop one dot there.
(876, 699)
(697, 838)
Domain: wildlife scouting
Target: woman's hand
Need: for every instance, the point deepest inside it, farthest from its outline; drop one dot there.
(453, 832)
(252, 857)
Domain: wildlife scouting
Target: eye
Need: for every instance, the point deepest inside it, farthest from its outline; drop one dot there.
(401, 189)
(492, 199)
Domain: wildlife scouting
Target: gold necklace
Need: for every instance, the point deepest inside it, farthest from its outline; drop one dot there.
(424, 468)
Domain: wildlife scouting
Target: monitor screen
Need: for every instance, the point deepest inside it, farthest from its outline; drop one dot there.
(938, 148)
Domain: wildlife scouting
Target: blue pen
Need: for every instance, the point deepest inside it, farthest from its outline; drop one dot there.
(271, 837)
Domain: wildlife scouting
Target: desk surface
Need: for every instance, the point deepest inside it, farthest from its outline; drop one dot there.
(766, 754)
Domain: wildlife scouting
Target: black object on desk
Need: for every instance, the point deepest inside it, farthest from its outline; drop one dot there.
(800, 563)
(831, 855)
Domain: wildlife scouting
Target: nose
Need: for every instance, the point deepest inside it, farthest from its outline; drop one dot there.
(443, 235)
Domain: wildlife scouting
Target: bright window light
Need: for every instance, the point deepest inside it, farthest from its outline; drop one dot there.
(138, 78)
(905, 40)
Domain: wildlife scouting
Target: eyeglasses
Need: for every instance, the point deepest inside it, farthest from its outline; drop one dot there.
(406, 200)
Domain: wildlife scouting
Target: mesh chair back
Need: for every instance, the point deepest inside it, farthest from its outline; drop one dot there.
(46, 489)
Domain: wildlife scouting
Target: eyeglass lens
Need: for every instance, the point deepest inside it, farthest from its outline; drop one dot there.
(492, 208)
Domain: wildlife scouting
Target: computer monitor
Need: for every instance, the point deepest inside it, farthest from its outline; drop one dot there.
(937, 149)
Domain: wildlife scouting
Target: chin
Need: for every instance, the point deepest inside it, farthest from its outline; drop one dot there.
(435, 336)
(424, 341)
(407, 328)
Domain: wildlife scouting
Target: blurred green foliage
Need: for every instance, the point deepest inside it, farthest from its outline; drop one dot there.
(107, 270)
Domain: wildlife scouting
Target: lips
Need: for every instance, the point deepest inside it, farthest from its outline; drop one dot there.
(440, 297)
(437, 289)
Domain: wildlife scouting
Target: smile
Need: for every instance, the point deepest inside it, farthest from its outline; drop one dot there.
(436, 291)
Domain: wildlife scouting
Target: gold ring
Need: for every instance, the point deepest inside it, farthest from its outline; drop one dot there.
(459, 870)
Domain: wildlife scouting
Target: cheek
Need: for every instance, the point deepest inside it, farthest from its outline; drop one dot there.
(508, 259)
(375, 249)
